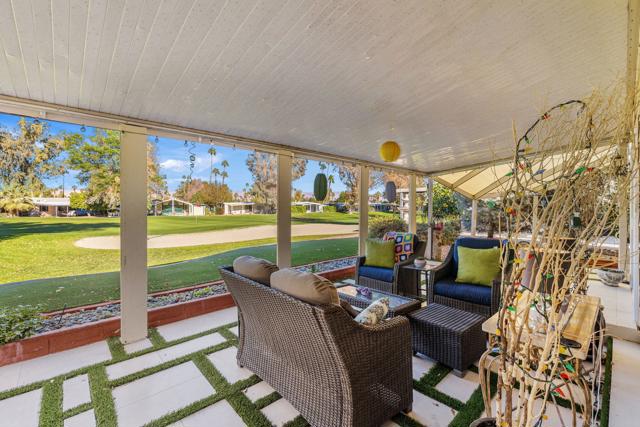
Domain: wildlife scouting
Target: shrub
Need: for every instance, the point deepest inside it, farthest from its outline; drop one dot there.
(449, 233)
(329, 209)
(379, 226)
(298, 210)
(18, 322)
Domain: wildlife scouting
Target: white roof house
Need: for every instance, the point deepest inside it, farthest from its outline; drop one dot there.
(51, 201)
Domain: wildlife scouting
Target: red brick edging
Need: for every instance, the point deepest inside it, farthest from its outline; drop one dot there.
(79, 335)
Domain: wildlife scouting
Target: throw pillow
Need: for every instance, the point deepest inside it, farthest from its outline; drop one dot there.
(403, 244)
(478, 266)
(380, 253)
(374, 313)
(253, 268)
(305, 286)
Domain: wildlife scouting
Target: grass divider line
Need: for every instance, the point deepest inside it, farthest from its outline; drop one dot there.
(156, 339)
(436, 394)
(606, 387)
(267, 400)
(116, 348)
(51, 404)
(298, 421)
(77, 410)
(103, 405)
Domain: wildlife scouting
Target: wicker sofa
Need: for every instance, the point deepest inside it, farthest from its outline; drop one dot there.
(335, 371)
(395, 280)
(443, 289)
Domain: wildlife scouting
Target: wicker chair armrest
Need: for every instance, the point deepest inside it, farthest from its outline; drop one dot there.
(444, 269)
(496, 288)
(359, 262)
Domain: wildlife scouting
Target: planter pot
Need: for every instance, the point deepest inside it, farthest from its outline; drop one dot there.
(610, 276)
(484, 422)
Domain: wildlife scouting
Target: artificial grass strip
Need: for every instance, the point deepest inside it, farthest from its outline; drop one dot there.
(77, 410)
(474, 407)
(116, 348)
(435, 375)
(103, 406)
(156, 339)
(606, 387)
(51, 405)
(436, 394)
(298, 421)
(263, 402)
(192, 408)
(227, 334)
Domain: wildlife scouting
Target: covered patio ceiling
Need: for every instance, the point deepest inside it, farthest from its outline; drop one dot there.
(444, 79)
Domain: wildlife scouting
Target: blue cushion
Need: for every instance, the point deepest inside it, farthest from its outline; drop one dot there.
(471, 242)
(476, 294)
(377, 273)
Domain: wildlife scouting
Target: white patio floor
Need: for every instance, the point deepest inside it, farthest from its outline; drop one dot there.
(149, 385)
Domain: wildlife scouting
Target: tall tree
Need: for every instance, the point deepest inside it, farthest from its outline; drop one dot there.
(28, 156)
(13, 199)
(212, 154)
(188, 188)
(263, 167)
(216, 173)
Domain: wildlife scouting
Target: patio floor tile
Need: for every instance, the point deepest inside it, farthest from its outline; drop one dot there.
(52, 365)
(225, 362)
(148, 360)
(22, 410)
(194, 325)
(460, 388)
(235, 331)
(83, 419)
(220, 413)
(151, 397)
(280, 412)
(421, 365)
(142, 344)
(75, 391)
(430, 412)
(258, 391)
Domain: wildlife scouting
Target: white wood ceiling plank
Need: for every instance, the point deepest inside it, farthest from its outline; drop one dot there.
(112, 29)
(186, 49)
(12, 77)
(24, 24)
(138, 18)
(276, 65)
(60, 26)
(43, 33)
(78, 18)
(166, 26)
(95, 27)
(230, 23)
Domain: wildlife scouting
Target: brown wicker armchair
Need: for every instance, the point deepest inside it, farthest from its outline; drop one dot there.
(442, 288)
(396, 280)
(335, 371)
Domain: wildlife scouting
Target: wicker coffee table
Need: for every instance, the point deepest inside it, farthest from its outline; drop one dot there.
(398, 305)
(452, 337)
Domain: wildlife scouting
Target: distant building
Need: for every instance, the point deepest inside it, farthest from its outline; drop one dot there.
(311, 206)
(176, 207)
(54, 206)
(403, 200)
(239, 208)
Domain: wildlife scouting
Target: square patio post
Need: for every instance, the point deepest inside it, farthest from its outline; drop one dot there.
(429, 252)
(474, 217)
(413, 226)
(363, 209)
(133, 233)
(283, 205)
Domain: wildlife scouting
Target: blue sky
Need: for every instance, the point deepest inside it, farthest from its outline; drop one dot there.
(174, 160)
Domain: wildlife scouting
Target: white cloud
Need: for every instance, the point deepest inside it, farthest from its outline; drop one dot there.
(174, 165)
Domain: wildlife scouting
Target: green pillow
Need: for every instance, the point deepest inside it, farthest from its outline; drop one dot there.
(478, 266)
(380, 253)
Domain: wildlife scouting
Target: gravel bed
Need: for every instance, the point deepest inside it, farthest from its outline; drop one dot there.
(112, 310)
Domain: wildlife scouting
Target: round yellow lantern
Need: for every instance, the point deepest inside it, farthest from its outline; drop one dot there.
(390, 151)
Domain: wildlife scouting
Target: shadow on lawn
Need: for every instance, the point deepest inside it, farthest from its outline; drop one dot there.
(16, 228)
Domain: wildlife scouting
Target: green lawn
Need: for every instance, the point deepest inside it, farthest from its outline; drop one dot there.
(56, 293)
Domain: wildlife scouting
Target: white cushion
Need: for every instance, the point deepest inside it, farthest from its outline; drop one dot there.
(374, 313)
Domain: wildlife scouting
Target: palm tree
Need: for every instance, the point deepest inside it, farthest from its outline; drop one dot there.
(14, 200)
(212, 153)
(224, 175)
(225, 164)
(215, 172)
(330, 179)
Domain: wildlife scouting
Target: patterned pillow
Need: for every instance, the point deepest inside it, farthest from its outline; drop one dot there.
(404, 244)
(374, 313)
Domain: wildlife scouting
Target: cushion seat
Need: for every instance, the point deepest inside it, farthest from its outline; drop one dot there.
(475, 294)
(377, 273)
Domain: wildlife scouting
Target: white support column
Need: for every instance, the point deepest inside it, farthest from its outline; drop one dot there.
(634, 225)
(474, 217)
(429, 252)
(363, 208)
(284, 209)
(413, 209)
(133, 233)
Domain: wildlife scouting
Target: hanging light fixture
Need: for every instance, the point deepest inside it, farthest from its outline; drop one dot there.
(390, 151)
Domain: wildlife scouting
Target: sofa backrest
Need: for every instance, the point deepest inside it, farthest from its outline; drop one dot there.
(471, 242)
